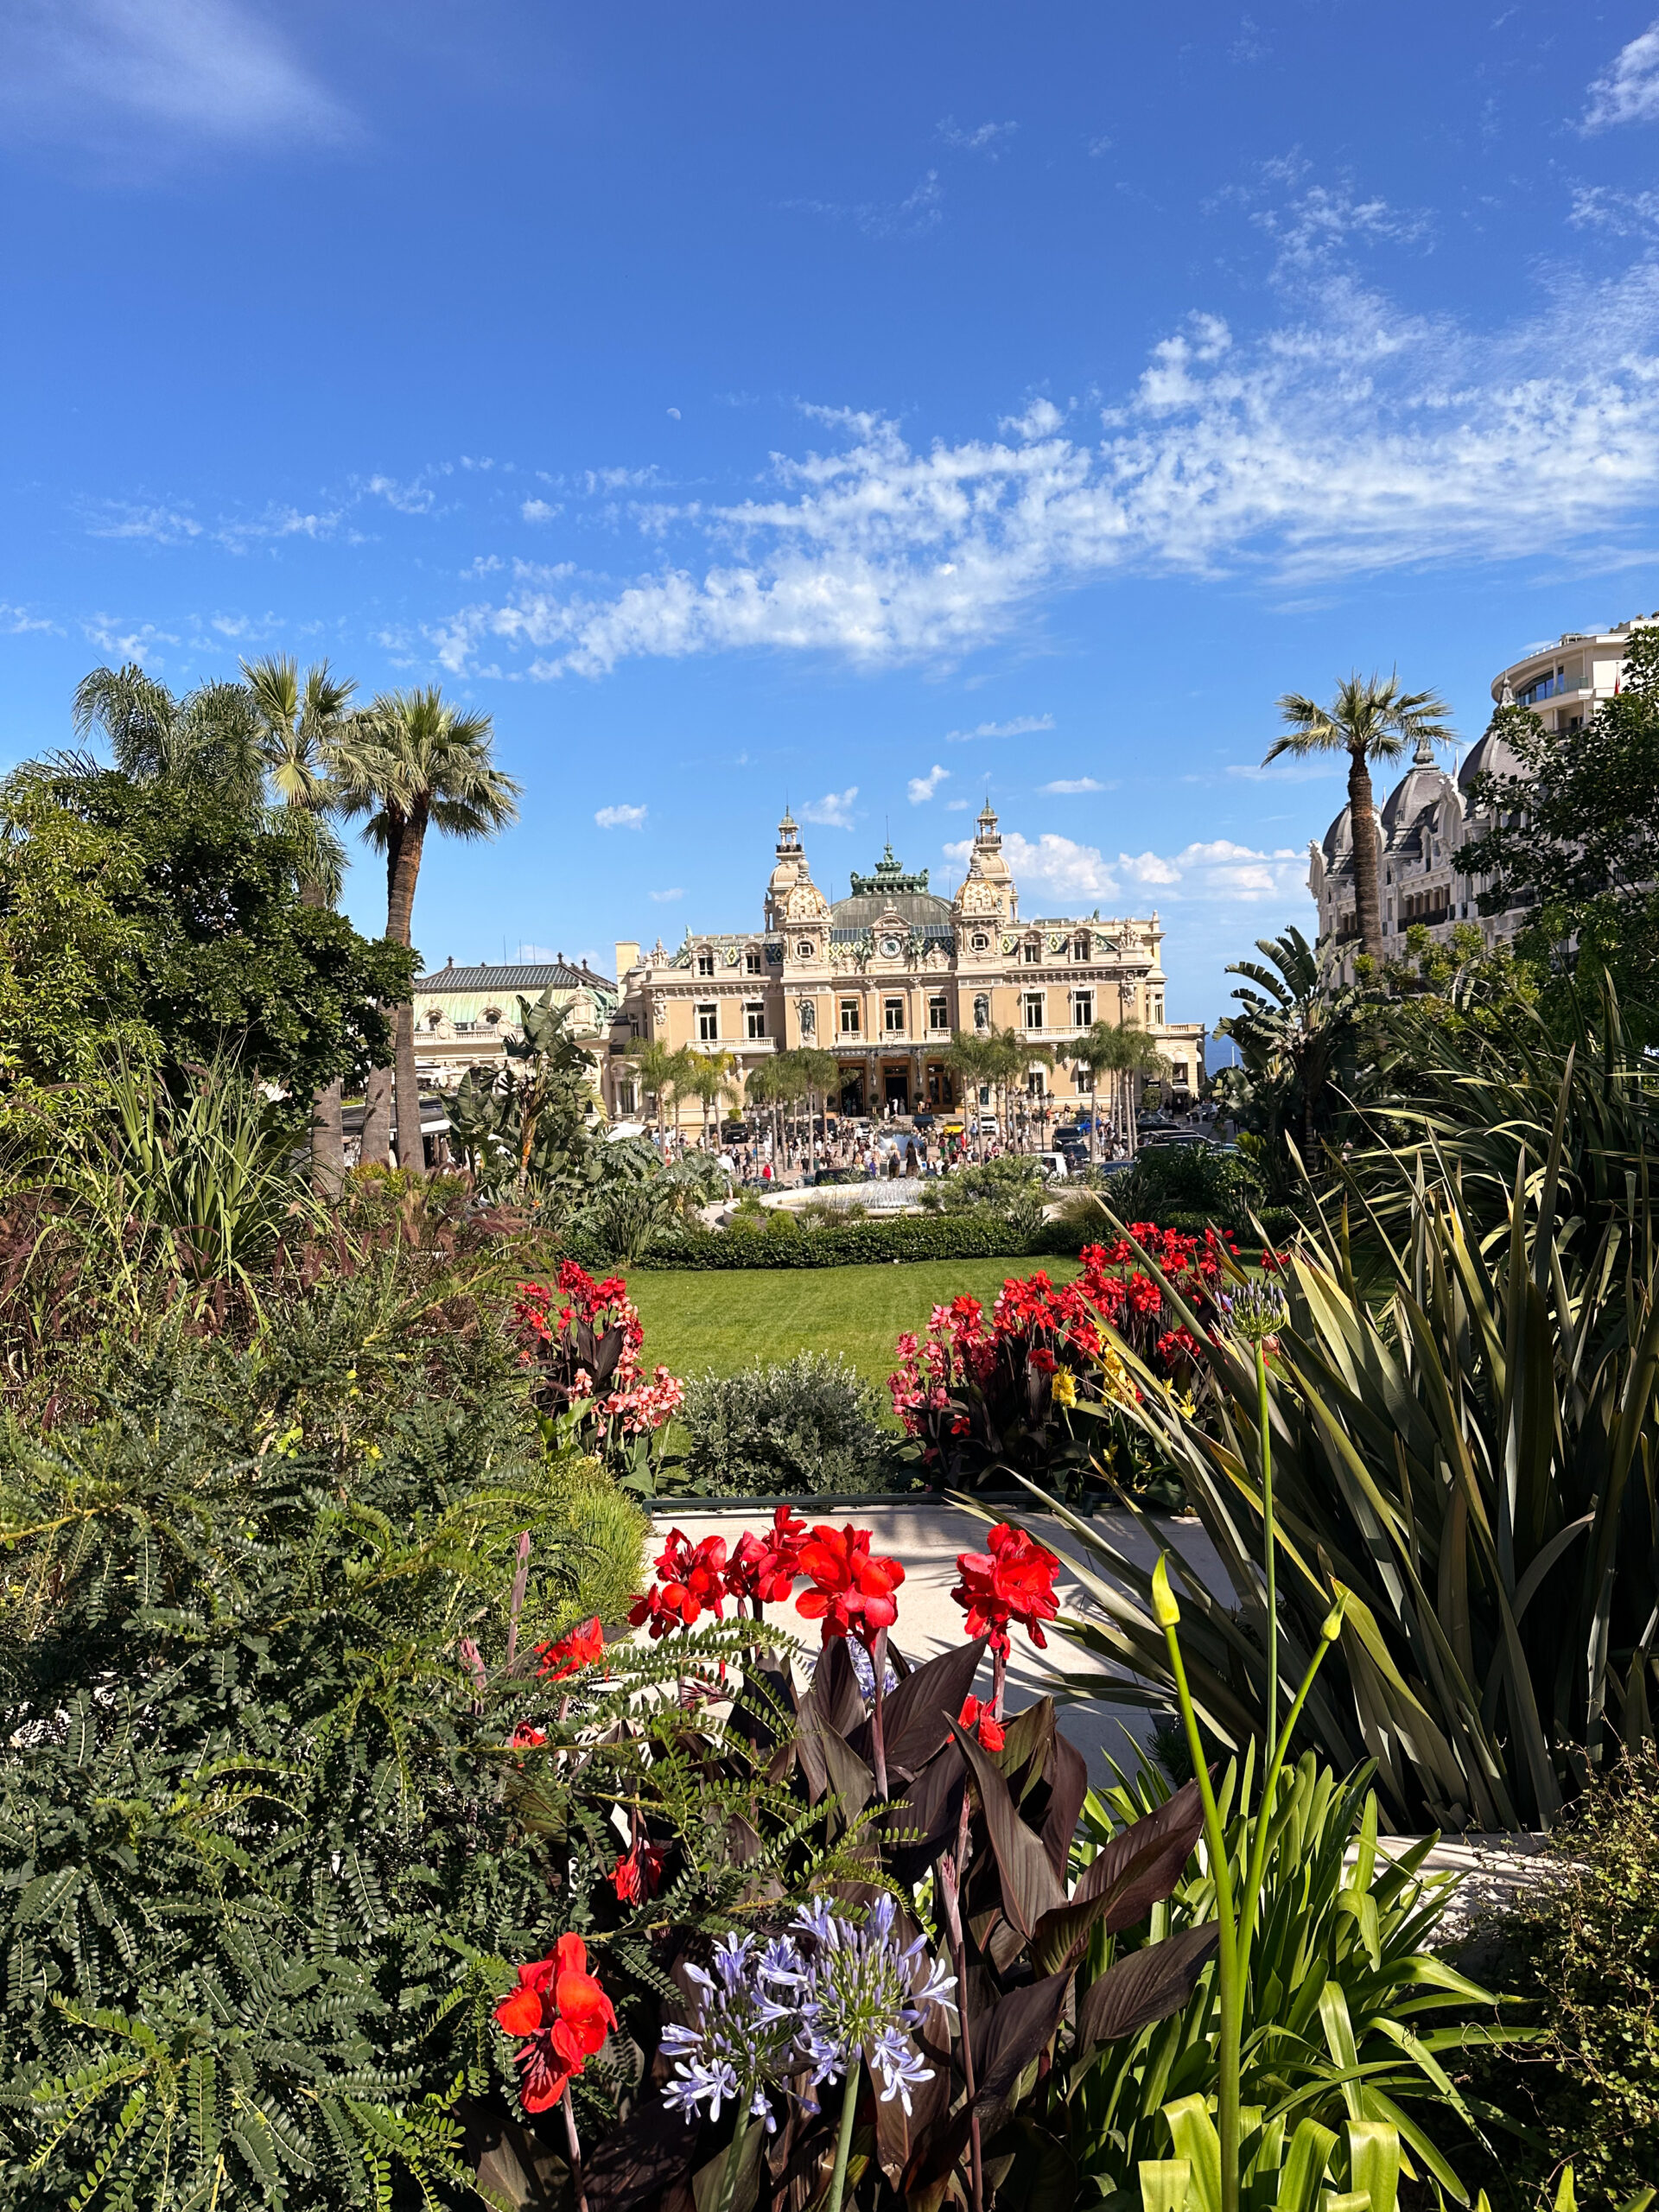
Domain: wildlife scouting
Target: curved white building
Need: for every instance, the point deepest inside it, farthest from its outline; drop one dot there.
(1429, 816)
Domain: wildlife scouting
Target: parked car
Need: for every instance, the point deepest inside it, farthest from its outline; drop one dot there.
(987, 1126)
(922, 1121)
(1055, 1166)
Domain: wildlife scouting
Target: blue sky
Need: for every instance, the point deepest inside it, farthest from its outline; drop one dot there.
(868, 405)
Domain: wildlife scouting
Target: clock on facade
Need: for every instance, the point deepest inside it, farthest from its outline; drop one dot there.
(890, 948)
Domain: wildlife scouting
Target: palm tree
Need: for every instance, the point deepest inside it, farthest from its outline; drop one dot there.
(210, 736)
(1138, 1060)
(298, 724)
(410, 764)
(1370, 719)
(1012, 1054)
(970, 1055)
(662, 1075)
(708, 1075)
(771, 1085)
(820, 1070)
(1099, 1050)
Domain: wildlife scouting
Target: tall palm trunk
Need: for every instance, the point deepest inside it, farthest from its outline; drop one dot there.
(403, 873)
(327, 1133)
(1362, 815)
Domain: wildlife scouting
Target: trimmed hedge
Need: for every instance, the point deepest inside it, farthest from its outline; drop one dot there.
(858, 1243)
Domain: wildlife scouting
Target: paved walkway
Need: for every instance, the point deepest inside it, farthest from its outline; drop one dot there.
(926, 1538)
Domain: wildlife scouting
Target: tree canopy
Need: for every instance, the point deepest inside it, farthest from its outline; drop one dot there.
(160, 921)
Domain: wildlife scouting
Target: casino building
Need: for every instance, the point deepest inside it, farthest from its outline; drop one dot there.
(883, 977)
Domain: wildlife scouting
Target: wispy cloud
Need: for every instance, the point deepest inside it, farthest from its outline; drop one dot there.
(208, 72)
(666, 898)
(157, 524)
(416, 499)
(1626, 214)
(18, 621)
(986, 138)
(1353, 439)
(621, 818)
(833, 810)
(1067, 787)
(136, 641)
(1021, 726)
(539, 510)
(922, 788)
(1627, 89)
(920, 210)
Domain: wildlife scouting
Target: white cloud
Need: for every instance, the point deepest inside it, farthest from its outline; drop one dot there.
(538, 511)
(1354, 440)
(1021, 726)
(833, 810)
(160, 525)
(210, 70)
(920, 210)
(988, 138)
(1312, 228)
(1099, 145)
(414, 499)
(1076, 784)
(1059, 866)
(621, 818)
(16, 621)
(1040, 419)
(663, 898)
(279, 522)
(922, 788)
(1627, 90)
(138, 643)
(1218, 872)
(1626, 214)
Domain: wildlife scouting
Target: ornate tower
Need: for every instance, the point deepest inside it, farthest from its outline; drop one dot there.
(792, 895)
(990, 890)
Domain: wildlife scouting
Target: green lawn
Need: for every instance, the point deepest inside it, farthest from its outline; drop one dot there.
(730, 1320)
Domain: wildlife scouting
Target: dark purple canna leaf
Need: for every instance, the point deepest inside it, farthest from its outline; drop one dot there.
(1068, 1785)
(1138, 1869)
(919, 1713)
(1030, 1885)
(923, 1821)
(1147, 1986)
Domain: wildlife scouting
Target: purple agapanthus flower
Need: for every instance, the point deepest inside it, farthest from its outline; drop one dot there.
(864, 1995)
(747, 2026)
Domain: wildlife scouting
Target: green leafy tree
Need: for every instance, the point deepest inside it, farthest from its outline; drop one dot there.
(1369, 718)
(161, 924)
(410, 764)
(1576, 834)
(533, 1118)
(970, 1057)
(710, 1077)
(662, 1074)
(298, 721)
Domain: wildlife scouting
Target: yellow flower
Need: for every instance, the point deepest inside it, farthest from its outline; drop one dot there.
(1065, 1388)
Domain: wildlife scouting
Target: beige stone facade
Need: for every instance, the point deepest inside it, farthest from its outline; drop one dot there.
(463, 1014)
(883, 977)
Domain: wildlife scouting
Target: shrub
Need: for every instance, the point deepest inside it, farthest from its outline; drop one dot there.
(856, 1244)
(1581, 1947)
(1196, 1182)
(805, 1424)
(1013, 1183)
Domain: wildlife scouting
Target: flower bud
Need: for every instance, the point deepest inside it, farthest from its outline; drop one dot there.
(1165, 1611)
(1332, 1628)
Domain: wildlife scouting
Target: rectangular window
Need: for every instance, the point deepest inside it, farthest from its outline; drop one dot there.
(938, 1013)
(1080, 948)
(708, 1024)
(705, 964)
(465, 1028)
(1031, 954)
(752, 963)
(892, 1017)
(1033, 1010)
(849, 1022)
(1083, 1079)
(755, 1020)
(1082, 1008)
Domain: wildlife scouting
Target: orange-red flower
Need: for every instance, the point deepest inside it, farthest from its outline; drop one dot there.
(526, 1738)
(1013, 1580)
(690, 1581)
(981, 1717)
(851, 1592)
(637, 1874)
(562, 2016)
(579, 1648)
(764, 1568)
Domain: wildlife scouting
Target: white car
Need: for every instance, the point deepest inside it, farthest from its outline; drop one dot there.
(1055, 1166)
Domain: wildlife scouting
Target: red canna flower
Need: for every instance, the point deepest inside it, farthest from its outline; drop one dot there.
(690, 1581)
(525, 1738)
(1013, 1580)
(984, 1721)
(580, 1647)
(764, 1567)
(562, 2017)
(851, 1592)
(637, 1873)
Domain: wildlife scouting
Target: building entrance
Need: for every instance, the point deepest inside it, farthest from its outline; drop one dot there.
(852, 1090)
(896, 1088)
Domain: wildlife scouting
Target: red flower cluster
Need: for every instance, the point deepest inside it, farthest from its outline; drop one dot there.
(579, 1648)
(526, 1738)
(978, 1715)
(763, 1569)
(637, 1873)
(690, 1581)
(851, 1592)
(562, 2016)
(1013, 1580)
(568, 1334)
